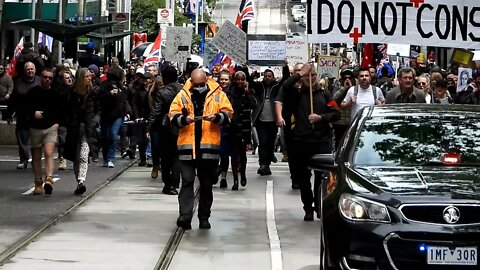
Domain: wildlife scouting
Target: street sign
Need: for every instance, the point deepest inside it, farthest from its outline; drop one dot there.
(165, 15)
(123, 18)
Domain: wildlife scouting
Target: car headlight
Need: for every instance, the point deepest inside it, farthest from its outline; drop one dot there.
(360, 209)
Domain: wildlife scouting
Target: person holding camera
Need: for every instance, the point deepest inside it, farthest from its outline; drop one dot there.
(347, 80)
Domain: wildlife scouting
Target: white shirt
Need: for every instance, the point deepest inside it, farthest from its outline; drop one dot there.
(365, 98)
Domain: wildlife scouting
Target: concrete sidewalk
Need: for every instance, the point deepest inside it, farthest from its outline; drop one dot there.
(124, 226)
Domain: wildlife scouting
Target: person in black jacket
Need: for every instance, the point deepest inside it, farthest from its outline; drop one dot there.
(63, 88)
(312, 133)
(43, 118)
(163, 135)
(114, 108)
(240, 129)
(80, 123)
(29, 55)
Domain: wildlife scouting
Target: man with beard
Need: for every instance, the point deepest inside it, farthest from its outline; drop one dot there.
(312, 133)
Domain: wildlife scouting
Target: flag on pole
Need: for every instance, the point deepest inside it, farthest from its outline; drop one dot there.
(245, 13)
(193, 6)
(155, 52)
(11, 67)
(45, 41)
(367, 58)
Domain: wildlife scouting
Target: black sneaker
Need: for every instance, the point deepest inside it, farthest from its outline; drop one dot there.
(184, 222)
(142, 163)
(262, 170)
(295, 185)
(80, 189)
(308, 215)
(204, 224)
(223, 183)
(268, 171)
(169, 191)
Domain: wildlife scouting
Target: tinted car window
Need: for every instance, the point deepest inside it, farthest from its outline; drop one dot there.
(397, 141)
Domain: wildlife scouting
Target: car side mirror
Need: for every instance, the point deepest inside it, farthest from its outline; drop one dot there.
(322, 162)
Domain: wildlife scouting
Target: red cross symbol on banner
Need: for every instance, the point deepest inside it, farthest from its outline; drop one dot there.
(417, 3)
(355, 35)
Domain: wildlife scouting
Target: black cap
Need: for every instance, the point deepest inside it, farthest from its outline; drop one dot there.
(346, 72)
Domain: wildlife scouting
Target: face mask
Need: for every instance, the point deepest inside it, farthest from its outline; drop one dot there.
(201, 89)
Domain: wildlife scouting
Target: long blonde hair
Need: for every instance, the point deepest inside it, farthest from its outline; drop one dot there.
(80, 86)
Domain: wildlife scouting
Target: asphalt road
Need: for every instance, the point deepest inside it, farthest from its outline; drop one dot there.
(21, 212)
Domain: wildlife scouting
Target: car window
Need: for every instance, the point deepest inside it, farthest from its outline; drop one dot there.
(395, 141)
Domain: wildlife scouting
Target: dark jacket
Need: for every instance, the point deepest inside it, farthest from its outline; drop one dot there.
(159, 115)
(395, 96)
(140, 102)
(79, 121)
(259, 90)
(473, 98)
(113, 106)
(240, 124)
(48, 102)
(323, 105)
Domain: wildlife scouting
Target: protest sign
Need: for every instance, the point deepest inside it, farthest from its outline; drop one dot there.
(232, 41)
(398, 49)
(462, 57)
(463, 75)
(296, 50)
(328, 64)
(179, 40)
(443, 23)
(266, 49)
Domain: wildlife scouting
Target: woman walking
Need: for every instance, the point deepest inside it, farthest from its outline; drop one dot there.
(80, 124)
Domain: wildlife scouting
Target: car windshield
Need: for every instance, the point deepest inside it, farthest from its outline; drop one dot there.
(405, 141)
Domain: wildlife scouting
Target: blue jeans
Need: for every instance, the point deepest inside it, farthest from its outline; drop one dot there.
(110, 139)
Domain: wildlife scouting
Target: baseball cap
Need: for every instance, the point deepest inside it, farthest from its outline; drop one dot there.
(140, 70)
(346, 72)
(328, 75)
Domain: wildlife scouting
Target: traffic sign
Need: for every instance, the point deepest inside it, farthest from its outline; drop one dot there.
(123, 18)
(165, 15)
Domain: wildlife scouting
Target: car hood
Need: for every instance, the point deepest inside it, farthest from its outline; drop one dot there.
(450, 181)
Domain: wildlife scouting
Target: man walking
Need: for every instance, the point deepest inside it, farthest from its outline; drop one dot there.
(43, 115)
(198, 111)
(18, 105)
(405, 92)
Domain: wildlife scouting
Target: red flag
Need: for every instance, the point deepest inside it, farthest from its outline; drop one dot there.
(155, 53)
(11, 70)
(367, 58)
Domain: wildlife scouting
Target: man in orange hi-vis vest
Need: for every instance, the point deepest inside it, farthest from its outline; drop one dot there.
(199, 110)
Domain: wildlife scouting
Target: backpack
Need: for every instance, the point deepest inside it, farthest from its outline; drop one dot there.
(374, 91)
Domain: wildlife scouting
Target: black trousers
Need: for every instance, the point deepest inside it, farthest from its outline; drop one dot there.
(301, 153)
(267, 132)
(23, 142)
(168, 158)
(206, 170)
(339, 131)
(239, 158)
(288, 137)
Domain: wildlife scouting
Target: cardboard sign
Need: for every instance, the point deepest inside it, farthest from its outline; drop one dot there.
(442, 23)
(296, 50)
(328, 64)
(398, 49)
(462, 57)
(463, 75)
(232, 41)
(179, 40)
(266, 49)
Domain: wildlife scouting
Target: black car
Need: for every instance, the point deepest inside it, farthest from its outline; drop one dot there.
(403, 190)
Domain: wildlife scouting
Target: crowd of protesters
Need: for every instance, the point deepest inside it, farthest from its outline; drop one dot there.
(198, 123)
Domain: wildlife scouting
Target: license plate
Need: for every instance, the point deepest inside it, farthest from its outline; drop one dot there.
(452, 256)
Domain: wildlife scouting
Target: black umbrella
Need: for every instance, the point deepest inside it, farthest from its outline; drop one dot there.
(61, 31)
(140, 49)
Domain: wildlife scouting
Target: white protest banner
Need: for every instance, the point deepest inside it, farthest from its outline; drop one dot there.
(329, 65)
(179, 40)
(398, 49)
(232, 41)
(463, 75)
(266, 49)
(442, 23)
(296, 50)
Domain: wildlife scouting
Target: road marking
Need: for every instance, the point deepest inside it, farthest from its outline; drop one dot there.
(275, 249)
(30, 191)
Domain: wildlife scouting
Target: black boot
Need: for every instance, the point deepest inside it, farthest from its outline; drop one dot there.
(235, 184)
(243, 180)
(223, 183)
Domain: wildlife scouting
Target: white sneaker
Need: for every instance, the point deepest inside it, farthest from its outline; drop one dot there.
(63, 164)
(110, 165)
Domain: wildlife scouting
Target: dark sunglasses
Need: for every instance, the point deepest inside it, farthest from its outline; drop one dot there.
(47, 78)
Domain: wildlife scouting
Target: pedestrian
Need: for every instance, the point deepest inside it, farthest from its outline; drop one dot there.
(6, 88)
(63, 88)
(405, 92)
(163, 135)
(80, 123)
(347, 80)
(199, 110)
(263, 118)
(115, 108)
(225, 81)
(312, 133)
(362, 95)
(43, 121)
(28, 55)
(18, 105)
(440, 94)
(423, 83)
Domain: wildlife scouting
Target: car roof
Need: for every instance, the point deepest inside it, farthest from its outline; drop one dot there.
(392, 110)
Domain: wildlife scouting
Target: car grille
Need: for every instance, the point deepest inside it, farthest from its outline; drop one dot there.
(405, 255)
(469, 214)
